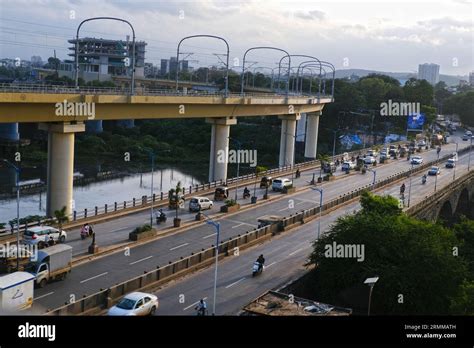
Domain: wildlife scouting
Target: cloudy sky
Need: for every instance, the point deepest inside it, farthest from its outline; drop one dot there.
(380, 34)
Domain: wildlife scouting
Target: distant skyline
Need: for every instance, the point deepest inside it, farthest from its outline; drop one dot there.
(375, 35)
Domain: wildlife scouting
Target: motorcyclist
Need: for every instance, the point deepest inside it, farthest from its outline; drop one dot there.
(246, 192)
(298, 173)
(423, 178)
(201, 307)
(261, 261)
(85, 230)
(402, 189)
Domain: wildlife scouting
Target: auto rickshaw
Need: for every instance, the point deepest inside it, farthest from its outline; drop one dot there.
(175, 201)
(266, 181)
(221, 193)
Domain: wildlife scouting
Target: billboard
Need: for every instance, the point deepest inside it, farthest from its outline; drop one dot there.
(416, 122)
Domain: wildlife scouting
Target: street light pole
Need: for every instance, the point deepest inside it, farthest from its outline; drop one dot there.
(436, 177)
(217, 227)
(469, 161)
(320, 190)
(454, 169)
(409, 188)
(151, 195)
(370, 282)
(17, 171)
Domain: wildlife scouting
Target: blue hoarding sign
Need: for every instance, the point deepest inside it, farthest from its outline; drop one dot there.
(416, 122)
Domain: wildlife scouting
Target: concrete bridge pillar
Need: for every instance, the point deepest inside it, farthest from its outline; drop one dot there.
(312, 126)
(126, 123)
(94, 127)
(60, 164)
(9, 131)
(219, 147)
(287, 139)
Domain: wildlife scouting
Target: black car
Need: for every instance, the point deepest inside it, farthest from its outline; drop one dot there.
(329, 167)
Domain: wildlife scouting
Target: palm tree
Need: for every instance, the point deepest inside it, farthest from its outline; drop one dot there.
(323, 158)
(61, 218)
(176, 191)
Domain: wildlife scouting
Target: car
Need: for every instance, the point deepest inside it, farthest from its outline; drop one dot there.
(280, 183)
(393, 150)
(434, 171)
(451, 163)
(369, 160)
(469, 133)
(348, 165)
(416, 160)
(266, 181)
(329, 167)
(200, 203)
(40, 236)
(466, 137)
(135, 304)
(372, 153)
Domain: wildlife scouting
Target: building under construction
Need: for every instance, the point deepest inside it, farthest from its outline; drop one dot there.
(100, 59)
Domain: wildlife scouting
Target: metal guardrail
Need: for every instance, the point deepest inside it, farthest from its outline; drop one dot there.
(139, 91)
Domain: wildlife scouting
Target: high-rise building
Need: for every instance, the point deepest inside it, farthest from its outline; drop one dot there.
(471, 78)
(429, 72)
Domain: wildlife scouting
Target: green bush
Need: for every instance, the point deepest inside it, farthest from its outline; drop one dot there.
(142, 228)
(230, 202)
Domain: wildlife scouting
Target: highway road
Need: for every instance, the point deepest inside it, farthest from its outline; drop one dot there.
(116, 231)
(285, 257)
(114, 268)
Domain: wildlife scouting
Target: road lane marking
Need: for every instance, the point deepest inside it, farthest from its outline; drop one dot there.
(49, 293)
(179, 246)
(145, 258)
(300, 203)
(240, 222)
(283, 209)
(243, 223)
(294, 252)
(209, 236)
(238, 281)
(195, 303)
(97, 276)
(270, 264)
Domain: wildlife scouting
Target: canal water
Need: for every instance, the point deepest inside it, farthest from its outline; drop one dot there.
(101, 193)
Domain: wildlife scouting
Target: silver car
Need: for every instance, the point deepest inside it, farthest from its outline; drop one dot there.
(135, 304)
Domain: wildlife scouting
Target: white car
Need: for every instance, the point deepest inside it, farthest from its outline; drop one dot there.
(200, 203)
(416, 160)
(135, 304)
(280, 183)
(348, 165)
(369, 160)
(372, 153)
(40, 236)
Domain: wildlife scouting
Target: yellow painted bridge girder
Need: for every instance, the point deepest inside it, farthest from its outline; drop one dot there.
(41, 107)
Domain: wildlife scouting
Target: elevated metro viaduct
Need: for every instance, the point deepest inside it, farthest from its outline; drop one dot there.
(222, 112)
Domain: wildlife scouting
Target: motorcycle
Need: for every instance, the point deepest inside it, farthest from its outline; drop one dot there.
(161, 218)
(256, 268)
(423, 180)
(246, 194)
(85, 234)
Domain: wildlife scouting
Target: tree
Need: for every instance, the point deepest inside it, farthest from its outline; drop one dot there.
(412, 258)
(419, 91)
(61, 217)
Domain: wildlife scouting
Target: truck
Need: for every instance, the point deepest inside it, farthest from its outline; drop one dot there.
(16, 292)
(51, 263)
(9, 259)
